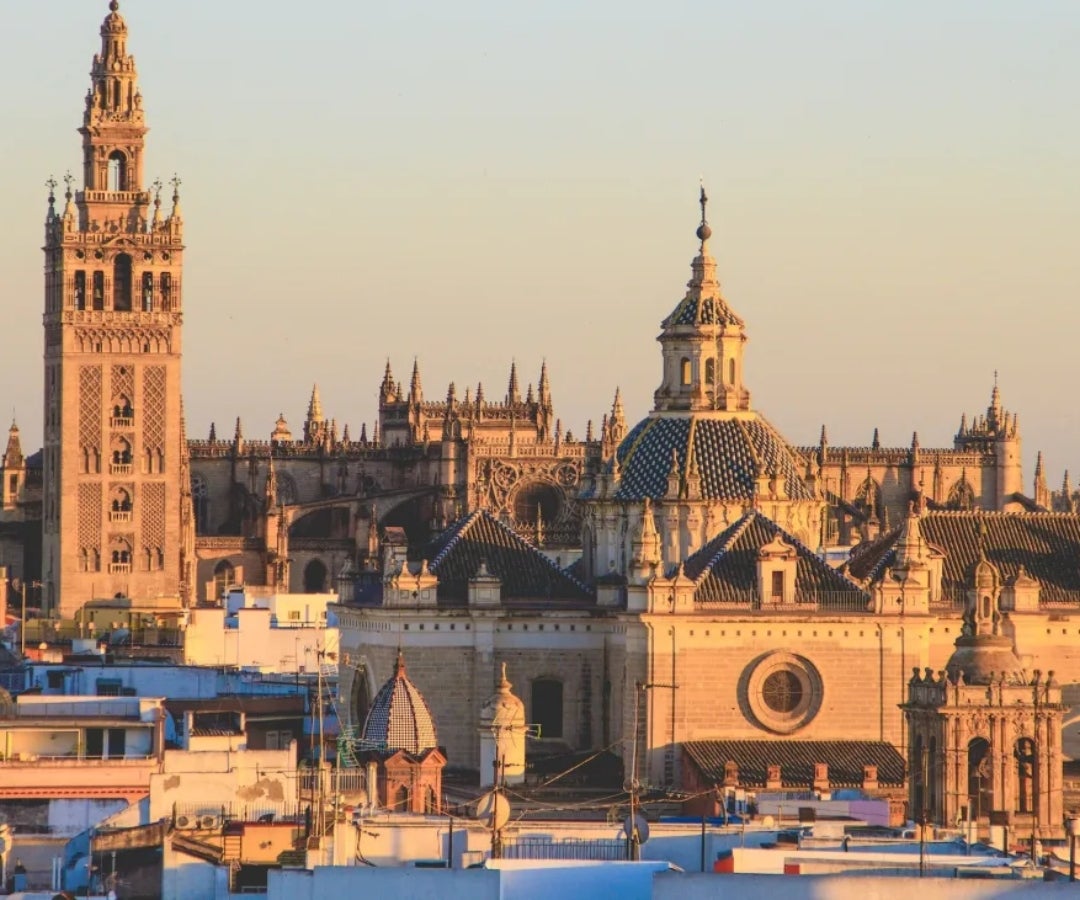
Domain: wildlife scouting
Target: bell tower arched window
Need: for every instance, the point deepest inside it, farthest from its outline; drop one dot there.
(710, 371)
(731, 371)
(148, 292)
(117, 171)
(166, 291)
(122, 283)
(80, 289)
(99, 291)
(686, 371)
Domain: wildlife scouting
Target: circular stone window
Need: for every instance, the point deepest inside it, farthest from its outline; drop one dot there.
(783, 692)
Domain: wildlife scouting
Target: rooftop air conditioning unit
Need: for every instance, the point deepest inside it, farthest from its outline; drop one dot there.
(209, 823)
(186, 823)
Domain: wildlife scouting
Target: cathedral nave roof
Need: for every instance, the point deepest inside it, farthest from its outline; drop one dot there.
(1045, 545)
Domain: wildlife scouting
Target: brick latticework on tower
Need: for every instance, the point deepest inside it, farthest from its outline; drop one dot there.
(113, 301)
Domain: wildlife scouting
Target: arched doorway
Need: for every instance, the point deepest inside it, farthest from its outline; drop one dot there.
(315, 577)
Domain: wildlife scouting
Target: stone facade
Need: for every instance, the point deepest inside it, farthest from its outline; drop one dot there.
(114, 457)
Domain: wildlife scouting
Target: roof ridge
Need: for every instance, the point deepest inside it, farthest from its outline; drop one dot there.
(532, 548)
(810, 554)
(735, 531)
(455, 536)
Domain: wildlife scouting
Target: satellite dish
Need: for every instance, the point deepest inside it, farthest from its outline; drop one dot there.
(642, 826)
(494, 809)
(768, 822)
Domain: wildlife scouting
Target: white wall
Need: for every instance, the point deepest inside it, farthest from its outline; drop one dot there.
(204, 782)
(361, 881)
(255, 643)
(847, 887)
(73, 816)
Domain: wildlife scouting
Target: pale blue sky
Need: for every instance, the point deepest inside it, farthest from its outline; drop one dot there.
(896, 199)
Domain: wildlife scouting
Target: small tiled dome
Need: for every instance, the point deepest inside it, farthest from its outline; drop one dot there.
(399, 718)
(729, 455)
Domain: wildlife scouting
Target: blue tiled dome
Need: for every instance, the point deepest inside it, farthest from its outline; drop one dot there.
(399, 718)
(730, 454)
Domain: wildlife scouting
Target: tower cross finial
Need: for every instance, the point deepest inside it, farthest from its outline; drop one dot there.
(69, 180)
(51, 185)
(175, 182)
(704, 232)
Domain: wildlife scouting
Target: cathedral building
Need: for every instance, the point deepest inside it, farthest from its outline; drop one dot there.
(652, 587)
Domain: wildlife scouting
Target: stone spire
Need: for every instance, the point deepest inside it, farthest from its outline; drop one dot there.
(315, 423)
(875, 444)
(513, 391)
(213, 433)
(315, 410)
(617, 421)
(1042, 491)
(416, 389)
(994, 421)
(386, 389)
(544, 386)
(13, 456)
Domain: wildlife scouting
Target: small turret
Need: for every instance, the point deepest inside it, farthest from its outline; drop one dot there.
(315, 423)
(386, 389)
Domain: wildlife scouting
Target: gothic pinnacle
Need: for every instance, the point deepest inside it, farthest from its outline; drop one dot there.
(315, 410)
(416, 389)
(513, 392)
(545, 385)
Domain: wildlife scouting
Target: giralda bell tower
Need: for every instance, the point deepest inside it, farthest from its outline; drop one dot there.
(114, 456)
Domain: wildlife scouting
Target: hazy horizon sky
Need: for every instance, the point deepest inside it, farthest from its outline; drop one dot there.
(895, 189)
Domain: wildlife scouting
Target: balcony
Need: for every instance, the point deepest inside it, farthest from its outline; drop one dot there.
(120, 515)
(120, 469)
(120, 568)
(122, 421)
